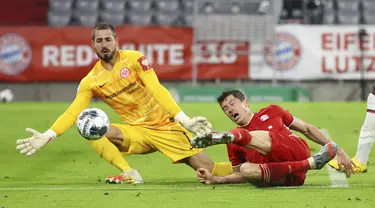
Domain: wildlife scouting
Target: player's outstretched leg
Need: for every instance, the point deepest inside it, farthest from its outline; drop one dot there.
(258, 140)
(128, 177)
(326, 154)
(212, 139)
(276, 173)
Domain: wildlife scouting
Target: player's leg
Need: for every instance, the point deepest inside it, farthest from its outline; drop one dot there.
(273, 174)
(202, 160)
(258, 140)
(110, 147)
(176, 145)
(289, 173)
(107, 148)
(366, 138)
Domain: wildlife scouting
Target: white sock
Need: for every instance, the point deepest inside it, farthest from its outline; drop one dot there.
(367, 135)
(311, 162)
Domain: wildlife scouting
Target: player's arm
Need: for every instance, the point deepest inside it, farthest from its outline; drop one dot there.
(164, 98)
(38, 140)
(236, 158)
(310, 131)
(69, 117)
(204, 176)
(314, 134)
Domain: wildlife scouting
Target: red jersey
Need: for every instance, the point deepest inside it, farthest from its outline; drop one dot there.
(276, 119)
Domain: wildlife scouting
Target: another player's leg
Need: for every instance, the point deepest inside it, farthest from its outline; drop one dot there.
(365, 140)
(202, 160)
(280, 173)
(176, 145)
(108, 148)
(258, 140)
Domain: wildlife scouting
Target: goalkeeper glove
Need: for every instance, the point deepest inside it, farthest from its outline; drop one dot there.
(198, 125)
(31, 145)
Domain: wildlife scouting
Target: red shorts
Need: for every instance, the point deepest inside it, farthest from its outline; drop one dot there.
(289, 148)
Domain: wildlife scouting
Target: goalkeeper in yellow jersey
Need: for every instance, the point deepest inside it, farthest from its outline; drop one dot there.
(152, 121)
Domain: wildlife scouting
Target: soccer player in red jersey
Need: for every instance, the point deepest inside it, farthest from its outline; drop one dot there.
(263, 150)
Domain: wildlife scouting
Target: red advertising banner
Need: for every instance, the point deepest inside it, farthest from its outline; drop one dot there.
(222, 59)
(65, 54)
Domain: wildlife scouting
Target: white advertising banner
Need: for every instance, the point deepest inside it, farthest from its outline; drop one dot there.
(305, 52)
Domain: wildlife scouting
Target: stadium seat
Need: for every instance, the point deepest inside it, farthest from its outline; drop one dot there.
(348, 17)
(187, 6)
(329, 5)
(222, 8)
(114, 18)
(368, 6)
(114, 5)
(347, 5)
(87, 5)
(85, 18)
(136, 18)
(206, 8)
(329, 18)
(168, 6)
(59, 19)
(369, 17)
(140, 5)
(58, 5)
(188, 19)
(167, 19)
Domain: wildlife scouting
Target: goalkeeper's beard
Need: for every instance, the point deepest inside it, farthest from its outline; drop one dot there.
(105, 57)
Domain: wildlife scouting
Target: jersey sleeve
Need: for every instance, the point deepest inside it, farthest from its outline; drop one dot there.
(235, 155)
(148, 76)
(287, 117)
(68, 118)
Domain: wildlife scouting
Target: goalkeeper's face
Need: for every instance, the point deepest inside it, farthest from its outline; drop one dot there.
(105, 44)
(238, 111)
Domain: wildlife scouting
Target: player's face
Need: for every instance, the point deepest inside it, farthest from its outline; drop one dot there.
(105, 44)
(238, 111)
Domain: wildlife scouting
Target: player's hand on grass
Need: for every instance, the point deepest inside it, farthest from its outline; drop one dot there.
(31, 145)
(204, 176)
(345, 163)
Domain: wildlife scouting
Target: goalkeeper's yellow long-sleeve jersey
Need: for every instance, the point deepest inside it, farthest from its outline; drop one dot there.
(132, 89)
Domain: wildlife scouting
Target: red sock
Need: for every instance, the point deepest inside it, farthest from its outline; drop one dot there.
(277, 171)
(242, 137)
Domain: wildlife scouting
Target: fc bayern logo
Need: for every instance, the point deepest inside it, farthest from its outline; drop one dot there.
(124, 72)
(264, 117)
(15, 54)
(285, 54)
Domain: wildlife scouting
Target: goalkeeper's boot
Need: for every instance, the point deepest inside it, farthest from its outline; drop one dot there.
(212, 139)
(360, 168)
(128, 177)
(326, 154)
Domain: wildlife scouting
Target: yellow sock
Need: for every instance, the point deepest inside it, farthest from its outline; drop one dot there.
(222, 169)
(109, 152)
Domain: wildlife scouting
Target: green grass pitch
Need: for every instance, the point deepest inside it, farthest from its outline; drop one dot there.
(68, 173)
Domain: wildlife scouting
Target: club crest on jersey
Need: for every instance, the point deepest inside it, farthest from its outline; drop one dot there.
(144, 63)
(15, 54)
(264, 117)
(124, 72)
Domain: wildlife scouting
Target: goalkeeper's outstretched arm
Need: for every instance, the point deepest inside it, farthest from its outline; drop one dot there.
(38, 140)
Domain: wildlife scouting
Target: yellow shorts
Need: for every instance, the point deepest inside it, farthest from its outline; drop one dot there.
(174, 144)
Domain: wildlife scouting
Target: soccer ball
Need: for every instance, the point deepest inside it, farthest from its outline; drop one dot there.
(6, 96)
(92, 123)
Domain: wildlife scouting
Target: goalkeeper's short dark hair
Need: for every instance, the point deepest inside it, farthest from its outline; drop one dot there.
(103, 26)
(236, 93)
